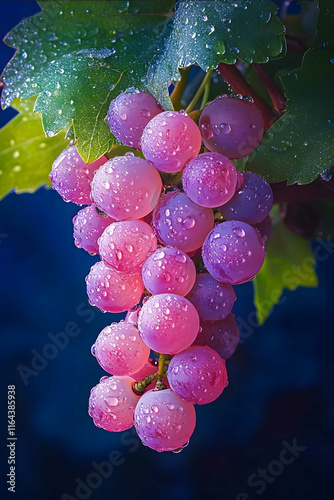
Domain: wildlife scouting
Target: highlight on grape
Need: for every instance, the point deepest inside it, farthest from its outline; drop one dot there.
(175, 229)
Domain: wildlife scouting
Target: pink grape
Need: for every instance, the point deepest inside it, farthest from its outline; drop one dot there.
(233, 252)
(179, 222)
(232, 127)
(126, 187)
(210, 179)
(222, 336)
(128, 115)
(112, 291)
(88, 226)
(170, 140)
(264, 228)
(120, 350)
(163, 421)
(197, 375)
(212, 299)
(71, 177)
(124, 245)
(170, 270)
(251, 203)
(112, 403)
(168, 323)
(147, 370)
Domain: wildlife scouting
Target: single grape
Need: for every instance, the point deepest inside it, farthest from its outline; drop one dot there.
(212, 300)
(251, 203)
(231, 127)
(210, 179)
(71, 176)
(125, 245)
(120, 350)
(222, 336)
(147, 370)
(126, 187)
(112, 291)
(170, 140)
(197, 375)
(88, 225)
(264, 228)
(112, 403)
(168, 323)
(163, 421)
(129, 114)
(233, 252)
(170, 270)
(179, 222)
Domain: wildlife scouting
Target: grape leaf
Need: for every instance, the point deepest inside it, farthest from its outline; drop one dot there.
(299, 146)
(79, 55)
(289, 263)
(26, 155)
(211, 32)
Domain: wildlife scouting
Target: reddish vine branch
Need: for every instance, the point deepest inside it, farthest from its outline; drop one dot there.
(317, 190)
(234, 77)
(278, 98)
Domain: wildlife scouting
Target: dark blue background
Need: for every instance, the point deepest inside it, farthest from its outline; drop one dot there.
(281, 381)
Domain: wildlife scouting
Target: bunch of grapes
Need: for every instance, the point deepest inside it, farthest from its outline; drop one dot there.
(175, 229)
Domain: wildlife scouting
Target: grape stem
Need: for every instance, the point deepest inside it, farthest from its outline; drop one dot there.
(140, 386)
(236, 80)
(205, 83)
(179, 88)
(278, 98)
(161, 365)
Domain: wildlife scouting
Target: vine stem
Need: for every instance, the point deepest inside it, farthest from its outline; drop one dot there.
(234, 77)
(179, 88)
(278, 98)
(206, 81)
(315, 191)
(161, 365)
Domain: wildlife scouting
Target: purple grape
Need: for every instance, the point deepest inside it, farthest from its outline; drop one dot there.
(197, 375)
(126, 187)
(179, 222)
(210, 179)
(125, 245)
(233, 252)
(232, 127)
(163, 421)
(251, 203)
(112, 291)
(129, 114)
(168, 323)
(71, 176)
(88, 226)
(264, 228)
(222, 336)
(112, 403)
(169, 270)
(120, 350)
(170, 140)
(212, 300)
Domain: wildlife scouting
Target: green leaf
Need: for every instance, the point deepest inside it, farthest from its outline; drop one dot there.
(289, 263)
(26, 155)
(299, 146)
(211, 32)
(78, 56)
